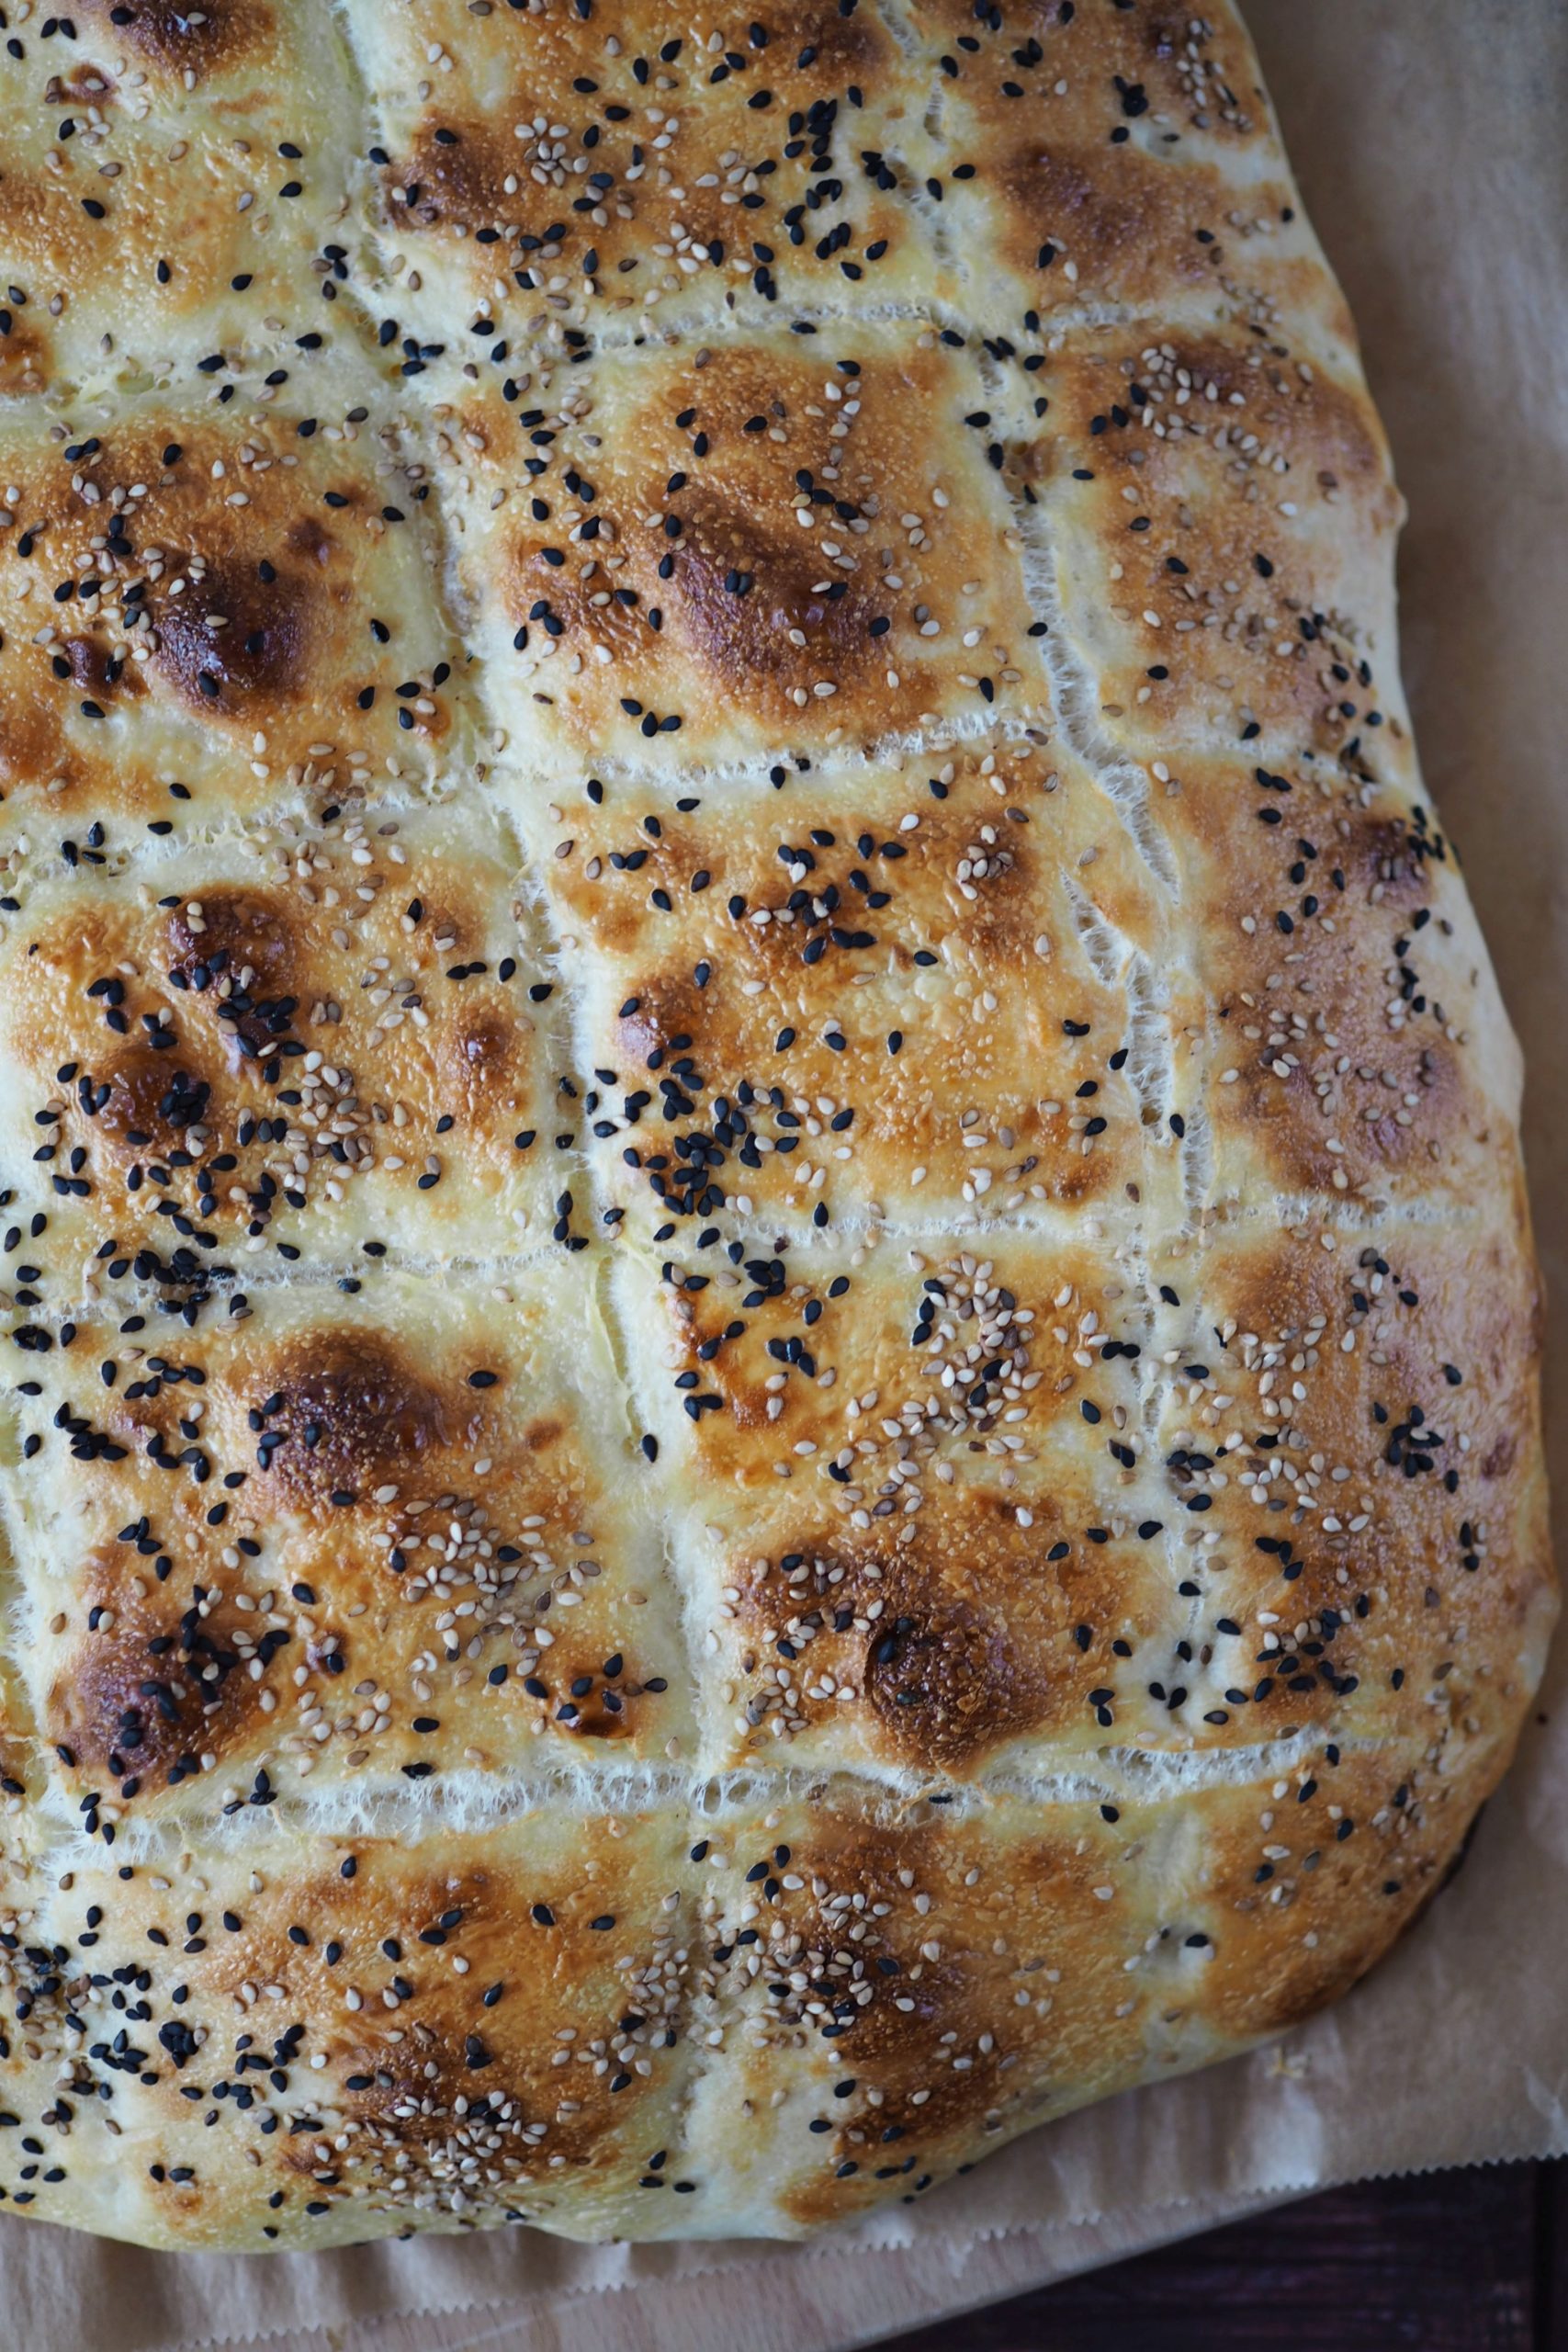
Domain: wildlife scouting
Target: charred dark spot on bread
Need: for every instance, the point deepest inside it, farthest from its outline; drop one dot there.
(260, 649)
(176, 40)
(354, 1408)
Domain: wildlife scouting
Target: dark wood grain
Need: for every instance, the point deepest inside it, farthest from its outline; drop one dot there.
(1550, 2197)
(1472, 2261)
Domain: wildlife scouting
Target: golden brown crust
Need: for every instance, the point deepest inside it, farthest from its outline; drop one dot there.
(556, 174)
(381, 1539)
(1221, 509)
(285, 1046)
(168, 178)
(741, 544)
(204, 611)
(883, 978)
(772, 1388)
(921, 1986)
(1091, 157)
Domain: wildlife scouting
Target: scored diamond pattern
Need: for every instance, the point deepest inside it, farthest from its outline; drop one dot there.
(768, 1398)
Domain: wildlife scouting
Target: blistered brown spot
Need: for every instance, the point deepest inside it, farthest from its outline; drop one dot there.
(24, 354)
(939, 1645)
(307, 539)
(738, 644)
(1129, 233)
(152, 1097)
(353, 1410)
(84, 85)
(89, 664)
(749, 637)
(261, 649)
(485, 1050)
(457, 177)
(146, 1714)
(239, 929)
(176, 38)
(947, 1684)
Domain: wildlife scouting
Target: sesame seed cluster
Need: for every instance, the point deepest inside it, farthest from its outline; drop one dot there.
(767, 1382)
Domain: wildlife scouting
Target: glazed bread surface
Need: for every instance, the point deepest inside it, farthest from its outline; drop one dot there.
(770, 1356)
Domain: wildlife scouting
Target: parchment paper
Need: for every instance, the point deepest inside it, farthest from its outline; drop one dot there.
(1427, 136)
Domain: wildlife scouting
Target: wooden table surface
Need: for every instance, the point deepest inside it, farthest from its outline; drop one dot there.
(1473, 2261)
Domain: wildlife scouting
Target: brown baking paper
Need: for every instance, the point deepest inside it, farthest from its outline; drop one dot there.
(1427, 135)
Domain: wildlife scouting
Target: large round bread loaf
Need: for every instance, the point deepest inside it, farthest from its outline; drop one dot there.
(768, 1385)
